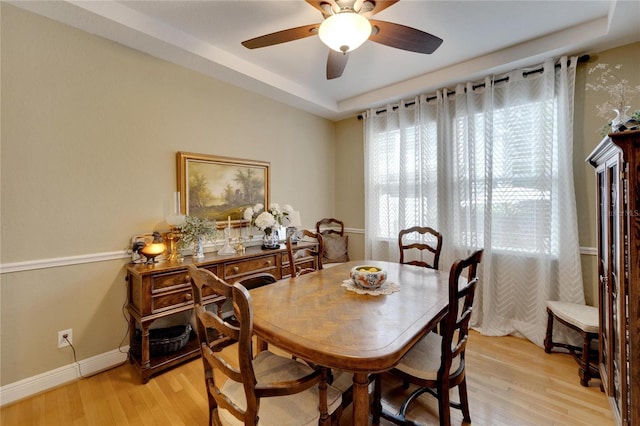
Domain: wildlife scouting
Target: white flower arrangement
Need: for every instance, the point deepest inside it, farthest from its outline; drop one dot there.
(619, 89)
(269, 220)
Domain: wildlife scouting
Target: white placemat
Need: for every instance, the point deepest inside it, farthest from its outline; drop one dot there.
(387, 287)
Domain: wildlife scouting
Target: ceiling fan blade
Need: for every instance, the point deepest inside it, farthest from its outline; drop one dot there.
(336, 62)
(282, 36)
(380, 5)
(402, 37)
(321, 6)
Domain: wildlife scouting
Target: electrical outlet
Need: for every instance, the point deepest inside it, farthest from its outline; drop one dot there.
(62, 342)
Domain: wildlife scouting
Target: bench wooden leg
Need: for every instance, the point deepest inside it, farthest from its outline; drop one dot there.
(548, 340)
(584, 370)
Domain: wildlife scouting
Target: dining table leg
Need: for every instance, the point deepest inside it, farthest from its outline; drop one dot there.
(360, 399)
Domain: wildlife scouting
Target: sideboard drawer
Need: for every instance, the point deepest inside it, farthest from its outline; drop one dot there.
(169, 281)
(234, 270)
(161, 282)
(177, 298)
(171, 300)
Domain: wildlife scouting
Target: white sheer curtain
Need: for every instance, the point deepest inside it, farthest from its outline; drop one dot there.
(489, 166)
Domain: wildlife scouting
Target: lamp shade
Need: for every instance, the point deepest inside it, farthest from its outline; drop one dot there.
(344, 31)
(175, 220)
(294, 219)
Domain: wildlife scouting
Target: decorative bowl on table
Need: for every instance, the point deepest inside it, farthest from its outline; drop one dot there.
(368, 277)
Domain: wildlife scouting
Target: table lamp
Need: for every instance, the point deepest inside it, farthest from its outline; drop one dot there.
(292, 226)
(153, 249)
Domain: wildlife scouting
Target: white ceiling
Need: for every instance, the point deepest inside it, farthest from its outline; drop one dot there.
(480, 37)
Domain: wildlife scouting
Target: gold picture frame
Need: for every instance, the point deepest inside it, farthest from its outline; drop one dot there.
(221, 188)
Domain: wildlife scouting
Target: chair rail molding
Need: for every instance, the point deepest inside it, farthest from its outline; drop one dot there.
(29, 265)
(589, 251)
(353, 231)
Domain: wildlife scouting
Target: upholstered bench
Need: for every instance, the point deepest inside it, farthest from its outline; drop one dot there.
(584, 320)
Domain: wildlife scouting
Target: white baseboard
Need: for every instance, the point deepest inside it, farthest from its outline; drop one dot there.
(51, 379)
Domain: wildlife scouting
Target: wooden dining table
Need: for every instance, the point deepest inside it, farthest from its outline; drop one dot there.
(316, 318)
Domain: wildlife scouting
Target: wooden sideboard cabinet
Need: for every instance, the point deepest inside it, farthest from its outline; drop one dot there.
(617, 163)
(163, 289)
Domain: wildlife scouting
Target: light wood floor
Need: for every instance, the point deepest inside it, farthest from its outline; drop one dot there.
(510, 381)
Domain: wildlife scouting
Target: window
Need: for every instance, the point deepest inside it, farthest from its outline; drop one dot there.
(488, 167)
(501, 163)
(508, 177)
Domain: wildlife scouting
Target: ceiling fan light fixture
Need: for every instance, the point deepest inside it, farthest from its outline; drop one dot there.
(344, 31)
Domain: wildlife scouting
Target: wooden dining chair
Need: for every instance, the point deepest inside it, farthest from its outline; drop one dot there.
(269, 389)
(304, 260)
(414, 238)
(330, 225)
(436, 363)
(336, 244)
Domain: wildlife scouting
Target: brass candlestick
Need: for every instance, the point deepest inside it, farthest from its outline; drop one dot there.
(173, 237)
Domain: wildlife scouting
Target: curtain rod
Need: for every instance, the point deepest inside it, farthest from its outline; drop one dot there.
(583, 58)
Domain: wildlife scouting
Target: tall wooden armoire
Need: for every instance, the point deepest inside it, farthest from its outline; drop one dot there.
(617, 163)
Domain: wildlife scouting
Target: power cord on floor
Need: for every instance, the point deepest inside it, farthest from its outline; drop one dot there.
(75, 360)
(65, 337)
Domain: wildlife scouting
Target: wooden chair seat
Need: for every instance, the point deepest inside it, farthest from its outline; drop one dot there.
(342, 380)
(425, 358)
(584, 320)
(297, 409)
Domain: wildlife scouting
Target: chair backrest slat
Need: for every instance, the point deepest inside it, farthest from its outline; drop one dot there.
(455, 325)
(407, 244)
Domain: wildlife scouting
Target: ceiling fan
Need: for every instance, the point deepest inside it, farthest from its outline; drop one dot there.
(346, 26)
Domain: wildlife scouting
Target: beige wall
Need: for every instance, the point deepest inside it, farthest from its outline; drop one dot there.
(349, 188)
(89, 133)
(586, 136)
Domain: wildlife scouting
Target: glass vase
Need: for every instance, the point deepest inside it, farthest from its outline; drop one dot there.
(617, 124)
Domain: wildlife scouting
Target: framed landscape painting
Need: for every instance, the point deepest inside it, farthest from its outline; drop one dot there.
(221, 188)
